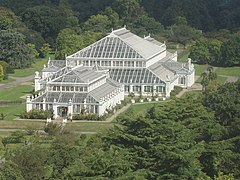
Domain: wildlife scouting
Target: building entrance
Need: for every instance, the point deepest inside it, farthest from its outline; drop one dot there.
(62, 111)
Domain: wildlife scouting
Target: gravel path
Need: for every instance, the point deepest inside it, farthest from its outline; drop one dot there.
(195, 87)
(17, 81)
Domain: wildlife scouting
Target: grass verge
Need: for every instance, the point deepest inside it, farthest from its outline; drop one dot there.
(228, 71)
(15, 93)
(37, 66)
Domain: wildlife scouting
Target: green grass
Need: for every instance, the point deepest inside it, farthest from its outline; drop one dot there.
(19, 124)
(228, 71)
(89, 126)
(6, 81)
(15, 93)
(37, 66)
(12, 112)
(221, 79)
(199, 69)
(183, 57)
(144, 107)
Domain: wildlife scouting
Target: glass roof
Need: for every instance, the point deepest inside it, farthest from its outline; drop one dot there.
(135, 76)
(109, 47)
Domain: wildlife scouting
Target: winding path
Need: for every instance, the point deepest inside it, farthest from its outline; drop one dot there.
(17, 81)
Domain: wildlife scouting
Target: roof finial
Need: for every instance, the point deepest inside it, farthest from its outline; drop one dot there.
(112, 29)
(125, 26)
(149, 35)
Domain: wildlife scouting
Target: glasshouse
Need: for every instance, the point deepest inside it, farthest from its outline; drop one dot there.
(97, 77)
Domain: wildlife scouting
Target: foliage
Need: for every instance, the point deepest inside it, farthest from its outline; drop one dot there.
(9, 170)
(31, 160)
(98, 23)
(182, 33)
(14, 50)
(2, 116)
(70, 41)
(6, 69)
(14, 138)
(175, 91)
(86, 117)
(225, 102)
(47, 20)
(7, 18)
(34, 52)
(1, 73)
(208, 77)
(53, 129)
(45, 50)
(63, 152)
(37, 114)
(230, 55)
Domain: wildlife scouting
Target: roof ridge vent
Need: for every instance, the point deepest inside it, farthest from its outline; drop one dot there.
(120, 29)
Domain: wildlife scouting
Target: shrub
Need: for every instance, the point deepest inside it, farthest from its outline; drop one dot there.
(2, 116)
(37, 114)
(53, 129)
(14, 138)
(86, 117)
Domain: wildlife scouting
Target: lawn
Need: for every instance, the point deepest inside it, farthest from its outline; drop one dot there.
(37, 66)
(144, 107)
(228, 71)
(183, 57)
(221, 79)
(18, 124)
(6, 81)
(15, 93)
(12, 112)
(199, 69)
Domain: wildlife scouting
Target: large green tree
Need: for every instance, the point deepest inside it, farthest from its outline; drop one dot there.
(230, 54)
(9, 170)
(31, 160)
(70, 41)
(14, 50)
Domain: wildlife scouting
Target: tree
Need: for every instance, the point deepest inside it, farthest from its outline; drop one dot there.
(128, 10)
(225, 102)
(182, 33)
(7, 69)
(144, 25)
(14, 50)
(45, 50)
(31, 160)
(48, 20)
(200, 52)
(63, 153)
(34, 52)
(7, 18)
(1, 73)
(113, 17)
(230, 55)
(53, 129)
(9, 170)
(98, 23)
(70, 41)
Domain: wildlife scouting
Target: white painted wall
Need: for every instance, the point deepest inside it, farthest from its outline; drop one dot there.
(156, 58)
